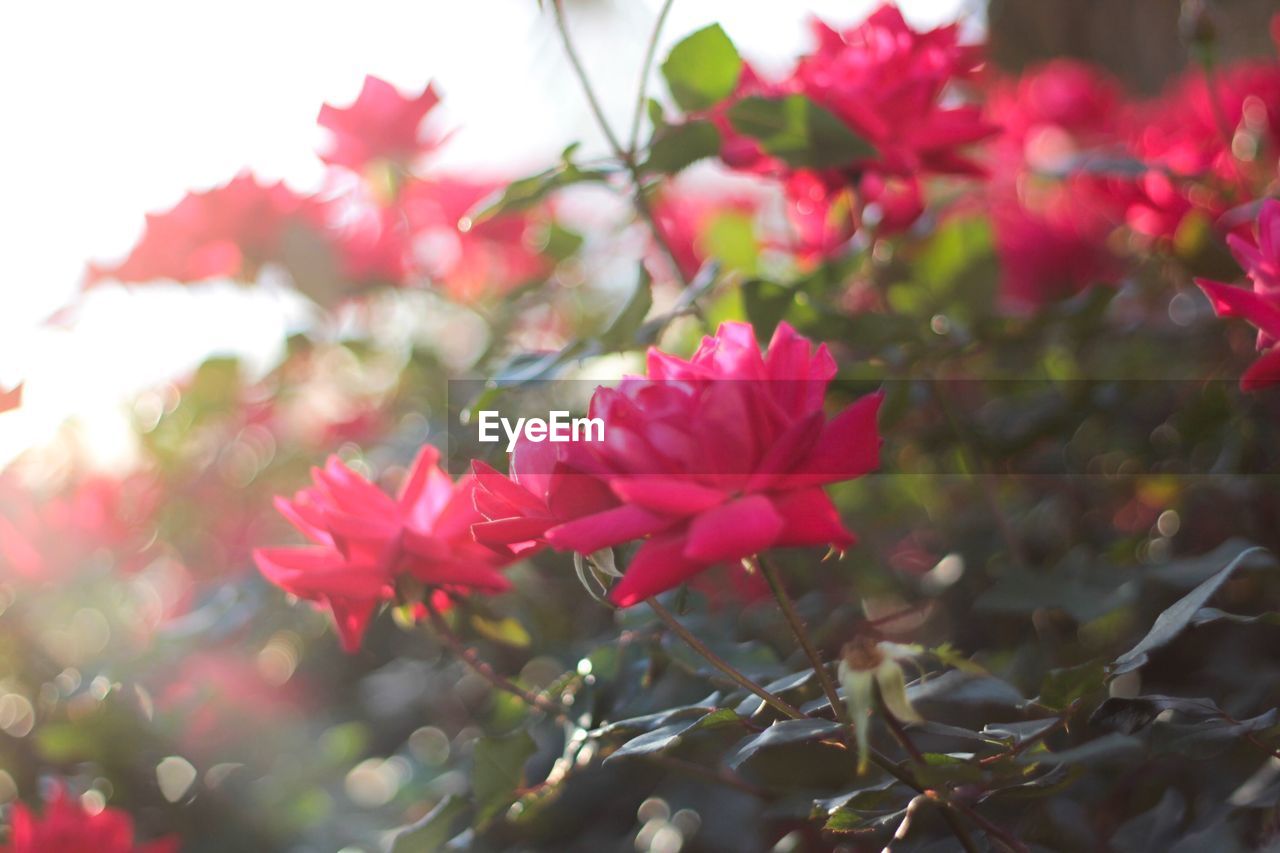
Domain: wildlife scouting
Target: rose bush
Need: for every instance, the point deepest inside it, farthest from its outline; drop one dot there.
(989, 321)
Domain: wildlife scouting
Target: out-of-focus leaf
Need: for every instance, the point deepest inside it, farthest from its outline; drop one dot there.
(939, 771)
(677, 146)
(508, 631)
(959, 688)
(649, 722)
(1206, 615)
(1178, 616)
(781, 733)
(798, 131)
(1108, 748)
(702, 69)
(526, 192)
(1132, 714)
(1206, 738)
(1061, 687)
(429, 835)
(622, 332)
(1019, 732)
(954, 658)
(766, 303)
(499, 772)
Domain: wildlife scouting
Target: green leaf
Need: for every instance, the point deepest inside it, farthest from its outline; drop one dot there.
(679, 145)
(621, 333)
(1061, 687)
(508, 631)
(527, 192)
(703, 69)
(1178, 616)
(669, 736)
(780, 733)
(498, 772)
(798, 131)
(766, 303)
(434, 830)
(1107, 748)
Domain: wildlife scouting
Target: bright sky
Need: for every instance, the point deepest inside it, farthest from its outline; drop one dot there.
(116, 109)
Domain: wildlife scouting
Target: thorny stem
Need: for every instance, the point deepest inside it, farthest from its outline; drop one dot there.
(777, 703)
(627, 157)
(473, 660)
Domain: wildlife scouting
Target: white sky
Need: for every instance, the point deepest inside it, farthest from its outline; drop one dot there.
(113, 109)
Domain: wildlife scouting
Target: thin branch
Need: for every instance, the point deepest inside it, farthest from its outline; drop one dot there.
(627, 157)
(473, 660)
(776, 702)
(650, 51)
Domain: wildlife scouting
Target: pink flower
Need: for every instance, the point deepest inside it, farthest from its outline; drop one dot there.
(709, 461)
(1052, 250)
(11, 399)
(364, 540)
(228, 231)
(65, 827)
(889, 83)
(381, 124)
(686, 218)
(1260, 305)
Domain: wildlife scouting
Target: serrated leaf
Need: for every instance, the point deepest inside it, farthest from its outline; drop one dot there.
(781, 733)
(1178, 616)
(798, 131)
(678, 146)
(702, 69)
(498, 772)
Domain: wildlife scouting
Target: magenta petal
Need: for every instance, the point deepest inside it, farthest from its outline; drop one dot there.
(668, 495)
(810, 518)
(509, 531)
(849, 445)
(1263, 373)
(351, 618)
(590, 533)
(658, 566)
(735, 530)
(1231, 301)
(319, 572)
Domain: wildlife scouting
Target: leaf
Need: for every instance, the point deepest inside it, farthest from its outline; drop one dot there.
(668, 737)
(433, 831)
(1132, 714)
(508, 631)
(1207, 738)
(621, 333)
(1019, 732)
(498, 772)
(766, 304)
(941, 771)
(677, 146)
(1207, 615)
(1061, 687)
(649, 722)
(527, 192)
(782, 732)
(1106, 748)
(1178, 616)
(953, 657)
(798, 131)
(703, 69)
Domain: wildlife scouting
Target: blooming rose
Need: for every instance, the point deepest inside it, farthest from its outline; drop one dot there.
(1260, 305)
(709, 461)
(65, 827)
(381, 124)
(364, 540)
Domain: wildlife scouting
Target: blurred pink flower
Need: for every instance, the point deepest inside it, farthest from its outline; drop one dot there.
(1259, 304)
(228, 231)
(11, 399)
(364, 540)
(381, 124)
(66, 827)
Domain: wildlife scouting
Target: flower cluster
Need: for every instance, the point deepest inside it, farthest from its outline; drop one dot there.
(379, 223)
